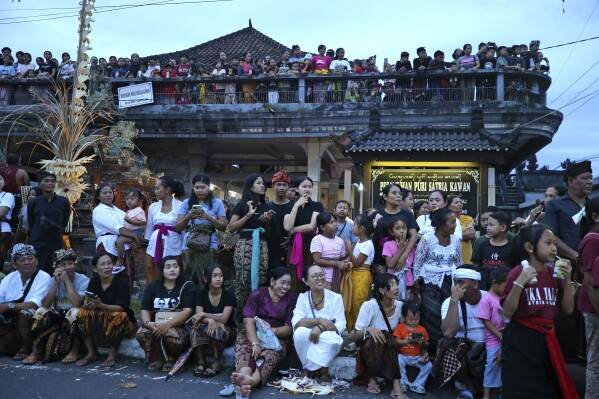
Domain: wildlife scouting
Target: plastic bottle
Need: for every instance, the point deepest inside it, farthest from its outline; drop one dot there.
(525, 264)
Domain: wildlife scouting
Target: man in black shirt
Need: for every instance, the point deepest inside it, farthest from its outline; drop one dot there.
(50, 66)
(48, 215)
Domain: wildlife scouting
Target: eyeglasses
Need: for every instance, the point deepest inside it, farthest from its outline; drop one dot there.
(318, 276)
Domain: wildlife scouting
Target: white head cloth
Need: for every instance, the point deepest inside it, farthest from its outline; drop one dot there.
(467, 273)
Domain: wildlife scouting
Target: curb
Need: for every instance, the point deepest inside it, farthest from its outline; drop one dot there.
(342, 366)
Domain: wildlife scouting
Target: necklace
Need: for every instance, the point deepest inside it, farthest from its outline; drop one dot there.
(168, 292)
(313, 301)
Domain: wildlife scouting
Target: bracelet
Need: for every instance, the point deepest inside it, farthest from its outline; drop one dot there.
(517, 284)
(320, 328)
(255, 344)
(453, 300)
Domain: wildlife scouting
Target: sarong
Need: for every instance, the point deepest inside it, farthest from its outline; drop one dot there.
(272, 358)
(170, 346)
(242, 260)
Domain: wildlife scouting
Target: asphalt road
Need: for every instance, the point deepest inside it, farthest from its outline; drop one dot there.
(57, 381)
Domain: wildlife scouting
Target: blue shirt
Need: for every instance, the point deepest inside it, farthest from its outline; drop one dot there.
(344, 230)
(218, 210)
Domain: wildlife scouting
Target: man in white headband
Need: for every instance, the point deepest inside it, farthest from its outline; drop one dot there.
(464, 299)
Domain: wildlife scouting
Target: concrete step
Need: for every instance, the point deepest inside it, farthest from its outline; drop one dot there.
(342, 367)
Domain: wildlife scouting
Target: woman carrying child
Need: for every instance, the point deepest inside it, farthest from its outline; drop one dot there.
(135, 221)
(533, 365)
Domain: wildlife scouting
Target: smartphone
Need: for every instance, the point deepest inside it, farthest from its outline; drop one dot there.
(417, 336)
(198, 208)
(91, 295)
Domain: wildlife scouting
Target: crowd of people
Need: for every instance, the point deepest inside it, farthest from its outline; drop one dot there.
(488, 57)
(410, 283)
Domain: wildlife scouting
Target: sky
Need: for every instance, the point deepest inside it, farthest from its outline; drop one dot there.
(384, 28)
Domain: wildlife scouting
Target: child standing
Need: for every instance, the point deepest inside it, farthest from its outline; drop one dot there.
(328, 250)
(497, 251)
(532, 361)
(135, 220)
(345, 226)
(392, 251)
(219, 72)
(412, 339)
(361, 258)
(491, 313)
(273, 89)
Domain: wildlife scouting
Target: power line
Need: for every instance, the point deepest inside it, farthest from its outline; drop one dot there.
(117, 8)
(566, 44)
(578, 38)
(64, 8)
(581, 105)
(576, 81)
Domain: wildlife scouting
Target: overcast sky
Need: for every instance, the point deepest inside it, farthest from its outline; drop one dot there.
(363, 28)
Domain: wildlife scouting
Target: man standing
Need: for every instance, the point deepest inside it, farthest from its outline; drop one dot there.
(563, 215)
(48, 215)
(21, 293)
(279, 238)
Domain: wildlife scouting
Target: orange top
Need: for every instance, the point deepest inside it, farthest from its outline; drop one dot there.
(402, 332)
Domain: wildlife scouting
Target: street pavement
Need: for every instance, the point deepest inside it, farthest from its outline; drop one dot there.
(57, 381)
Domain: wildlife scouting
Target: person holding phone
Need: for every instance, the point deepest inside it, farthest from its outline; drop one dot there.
(201, 211)
(251, 218)
(106, 313)
(53, 325)
(537, 214)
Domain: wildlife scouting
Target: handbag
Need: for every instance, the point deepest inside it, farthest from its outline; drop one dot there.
(166, 316)
(476, 353)
(228, 240)
(200, 237)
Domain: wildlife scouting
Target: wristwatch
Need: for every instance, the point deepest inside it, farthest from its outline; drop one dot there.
(11, 305)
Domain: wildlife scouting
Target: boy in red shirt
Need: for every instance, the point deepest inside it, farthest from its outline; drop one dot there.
(412, 339)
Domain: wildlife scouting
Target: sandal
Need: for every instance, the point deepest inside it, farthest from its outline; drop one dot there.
(198, 370)
(374, 389)
(168, 366)
(465, 394)
(20, 356)
(398, 396)
(155, 365)
(418, 390)
(109, 363)
(70, 359)
(325, 379)
(85, 361)
(211, 372)
(31, 359)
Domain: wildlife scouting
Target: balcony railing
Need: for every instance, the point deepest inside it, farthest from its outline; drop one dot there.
(301, 89)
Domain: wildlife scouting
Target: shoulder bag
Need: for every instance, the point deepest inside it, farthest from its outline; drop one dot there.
(200, 237)
(166, 316)
(476, 354)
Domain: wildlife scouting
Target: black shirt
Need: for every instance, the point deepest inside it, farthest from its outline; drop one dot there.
(117, 292)
(558, 216)
(487, 63)
(157, 298)
(304, 213)
(382, 230)
(424, 63)
(227, 298)
(241, 209)
(407, 65)
(47, 220)
(48, 67)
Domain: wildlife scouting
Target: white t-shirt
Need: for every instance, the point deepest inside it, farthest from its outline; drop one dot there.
(80, 283)
(370, 316)
(339, 66)
(107, 221)
(366, 248)
(7, 200)
(12, 287)
(476, 328)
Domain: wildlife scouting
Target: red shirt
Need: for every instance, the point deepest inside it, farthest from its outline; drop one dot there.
(402, 332)
(589, 262)
(169, 90)
(542, 299)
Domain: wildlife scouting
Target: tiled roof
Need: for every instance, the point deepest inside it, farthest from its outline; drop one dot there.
(419, 139)
(233, 44)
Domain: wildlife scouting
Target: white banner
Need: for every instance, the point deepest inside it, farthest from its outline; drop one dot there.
(134, 95)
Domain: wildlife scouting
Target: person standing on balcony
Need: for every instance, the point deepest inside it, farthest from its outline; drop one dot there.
(420, 65)
(468, 62)
(247, 70)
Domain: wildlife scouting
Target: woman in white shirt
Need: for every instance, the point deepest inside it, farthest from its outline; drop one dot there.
(378, 353)
(162, 217)
(318, 321)
(108, 221)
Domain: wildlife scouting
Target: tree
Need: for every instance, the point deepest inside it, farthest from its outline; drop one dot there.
(532, 163)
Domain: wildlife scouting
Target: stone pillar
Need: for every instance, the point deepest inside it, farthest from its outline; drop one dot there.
(347, 185)
(314, 166)
(500, 93)
(197, 164)
(333, 187)
(491, 184)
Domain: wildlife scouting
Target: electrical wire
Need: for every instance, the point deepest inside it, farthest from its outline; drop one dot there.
(574, 42)
(116, 8)
(576, 81)
(578, 38)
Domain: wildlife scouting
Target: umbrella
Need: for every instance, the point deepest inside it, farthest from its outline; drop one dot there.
(180, 362)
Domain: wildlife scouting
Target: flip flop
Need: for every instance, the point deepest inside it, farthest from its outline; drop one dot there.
(109, 363)
(211, 372)
(70, 359)
(198, 370)
(31, 359)
(167, 366)
(20, 356)
(155, 365)
(84, 362)
(374, 389)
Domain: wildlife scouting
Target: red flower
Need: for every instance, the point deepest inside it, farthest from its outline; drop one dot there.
(66, 189)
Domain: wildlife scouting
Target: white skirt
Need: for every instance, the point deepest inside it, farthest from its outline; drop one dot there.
(316, 356)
